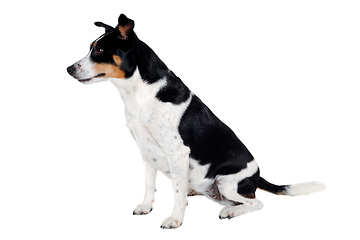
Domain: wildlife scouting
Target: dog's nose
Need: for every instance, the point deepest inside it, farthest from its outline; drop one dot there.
(71, 70)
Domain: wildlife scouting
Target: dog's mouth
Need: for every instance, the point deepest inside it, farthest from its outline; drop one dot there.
(88, 79)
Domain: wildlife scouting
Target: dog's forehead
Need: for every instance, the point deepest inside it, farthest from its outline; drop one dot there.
(98, 39)
(108, 40)
(94, 43)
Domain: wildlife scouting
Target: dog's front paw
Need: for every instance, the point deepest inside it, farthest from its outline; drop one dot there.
(170, 223)
(142, 209)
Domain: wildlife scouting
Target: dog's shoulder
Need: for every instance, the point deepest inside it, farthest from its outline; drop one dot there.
(174, 91)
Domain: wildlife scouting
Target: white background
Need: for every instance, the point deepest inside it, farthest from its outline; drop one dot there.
(284, 75)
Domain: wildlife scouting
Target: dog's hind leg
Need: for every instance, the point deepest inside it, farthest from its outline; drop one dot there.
(240, 189)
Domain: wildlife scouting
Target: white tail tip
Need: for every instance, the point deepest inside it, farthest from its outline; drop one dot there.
(304, 188)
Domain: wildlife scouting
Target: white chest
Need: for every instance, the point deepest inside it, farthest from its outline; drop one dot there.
(146, 116)
(154, 126)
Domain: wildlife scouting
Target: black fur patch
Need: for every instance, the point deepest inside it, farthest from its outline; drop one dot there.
(211, 141)
(276, 189)
(175, 91)
(248, 186)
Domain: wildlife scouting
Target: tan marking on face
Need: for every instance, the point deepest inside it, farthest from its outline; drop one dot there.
(117, 60)
(110, 70)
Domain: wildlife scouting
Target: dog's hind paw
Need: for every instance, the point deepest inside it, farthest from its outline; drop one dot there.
(142, 209)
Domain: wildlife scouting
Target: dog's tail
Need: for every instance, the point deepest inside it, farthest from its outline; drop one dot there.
(292, 189)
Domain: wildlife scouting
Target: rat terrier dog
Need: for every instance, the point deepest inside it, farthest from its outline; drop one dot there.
(177, 134)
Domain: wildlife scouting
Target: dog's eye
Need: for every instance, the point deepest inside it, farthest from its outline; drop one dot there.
(98, 50)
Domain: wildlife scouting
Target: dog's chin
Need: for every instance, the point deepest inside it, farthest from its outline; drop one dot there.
(97, 78)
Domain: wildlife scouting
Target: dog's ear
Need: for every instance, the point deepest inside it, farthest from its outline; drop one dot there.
(125, 26)
(108, 28)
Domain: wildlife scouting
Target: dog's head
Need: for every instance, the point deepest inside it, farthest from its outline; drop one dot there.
(110, 56)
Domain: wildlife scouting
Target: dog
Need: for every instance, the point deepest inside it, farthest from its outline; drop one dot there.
(177, 134)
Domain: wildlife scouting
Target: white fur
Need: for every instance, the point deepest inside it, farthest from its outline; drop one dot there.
(304, 188)
(154, 126)
(84, 69)
(197, 180)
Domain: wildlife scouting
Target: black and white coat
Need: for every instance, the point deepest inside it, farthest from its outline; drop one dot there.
(177, 134)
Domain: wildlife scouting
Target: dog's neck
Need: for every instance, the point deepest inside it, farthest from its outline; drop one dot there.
(150, 71)
(136, 92)
(127, 87)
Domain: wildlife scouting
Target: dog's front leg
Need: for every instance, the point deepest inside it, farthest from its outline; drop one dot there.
(179, 168)
(150, 178)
